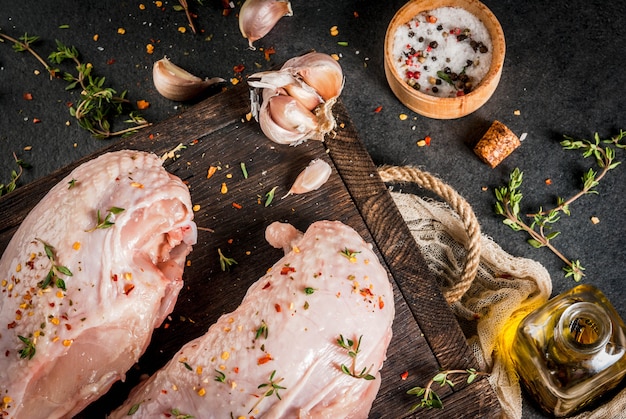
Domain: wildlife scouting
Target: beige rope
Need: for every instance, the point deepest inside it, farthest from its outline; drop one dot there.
(459, 205)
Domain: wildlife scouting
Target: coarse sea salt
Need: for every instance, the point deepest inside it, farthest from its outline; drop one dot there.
(444, 52)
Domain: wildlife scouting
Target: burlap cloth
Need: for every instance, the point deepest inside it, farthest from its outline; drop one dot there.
(489, 290)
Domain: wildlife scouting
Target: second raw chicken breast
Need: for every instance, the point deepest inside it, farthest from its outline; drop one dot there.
(307, 341)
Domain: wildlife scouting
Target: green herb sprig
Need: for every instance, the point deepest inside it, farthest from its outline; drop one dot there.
(262, 330)
(353, 349)
(23, 44)
(98, 105)
(272, 386)
(104, 223)
(15, 175)
(429, 398)
(269, 197)
(225, 262)
(29, 348)
(509, 198)
(53, 278)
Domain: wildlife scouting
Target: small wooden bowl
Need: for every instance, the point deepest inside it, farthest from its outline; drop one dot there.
(445, 107)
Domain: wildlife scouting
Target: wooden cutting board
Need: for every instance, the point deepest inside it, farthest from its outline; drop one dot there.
(215, 132)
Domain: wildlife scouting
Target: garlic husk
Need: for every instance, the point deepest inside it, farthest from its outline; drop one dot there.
(258, 17)
(320, 71)
(287, 83)
(175, 83)
(311, 178)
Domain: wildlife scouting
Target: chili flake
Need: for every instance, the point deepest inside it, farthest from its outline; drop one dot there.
(334, 31)
(264, 359)
(236, 205)
(269, 51)
(142, 104)
(28, 96)
(224, 188)
(121, 31)
(149, 48)
(378, 109)
(404, 375)
(286, 270)
(211, 171)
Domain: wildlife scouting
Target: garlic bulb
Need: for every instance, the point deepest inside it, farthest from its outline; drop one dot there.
(297, 100)
(311, 178)
(258, 17)
(174, 83)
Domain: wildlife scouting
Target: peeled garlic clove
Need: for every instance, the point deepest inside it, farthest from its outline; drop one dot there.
(275, 131)
(174, 83)
(291, 115)
(320, 71)
(258, 17)
(311, 178)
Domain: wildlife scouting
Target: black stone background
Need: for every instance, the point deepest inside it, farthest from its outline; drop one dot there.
(563, 71)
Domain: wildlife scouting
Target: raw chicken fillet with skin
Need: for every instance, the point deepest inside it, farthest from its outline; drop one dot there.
(78, 304)
(278, 354)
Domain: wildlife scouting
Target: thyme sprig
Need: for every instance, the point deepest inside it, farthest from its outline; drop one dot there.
(225, 262)
(23, 44)
(104, 223)
(53, 278)
(272, 386)
(429, 398)
(353, 349)
(98, 105)
(508, 198)
(29, 348)
(15, 175)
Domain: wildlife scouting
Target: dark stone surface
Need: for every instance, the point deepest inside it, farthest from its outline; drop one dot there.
(563, 72)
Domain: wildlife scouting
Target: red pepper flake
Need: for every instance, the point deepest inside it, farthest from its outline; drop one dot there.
(264, 359)
(460, 93)
(404, 375)
(277, 307)
(268, 52)
(548, 181)
(239, 68)
(114, 277)
(28, 96)
(36, 120)
(236, 370)
(285, 270)
(143, 104)
(151, 136)
(378, 109)
(431, 19)
(236, 205)
(128, 288)
(68, 326)
(427, 139)
(366, 292)
(12, 325)
(381, 303)
(355, 14)
(266, 286)
(111, 61)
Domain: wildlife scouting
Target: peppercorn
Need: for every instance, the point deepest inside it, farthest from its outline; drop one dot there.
(433, 44)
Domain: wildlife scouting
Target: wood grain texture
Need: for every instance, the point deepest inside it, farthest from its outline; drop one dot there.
(216, 133)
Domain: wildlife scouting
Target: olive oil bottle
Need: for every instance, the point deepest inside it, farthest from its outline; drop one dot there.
(571, 350)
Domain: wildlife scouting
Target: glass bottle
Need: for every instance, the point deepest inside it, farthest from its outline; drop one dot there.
(571, 350)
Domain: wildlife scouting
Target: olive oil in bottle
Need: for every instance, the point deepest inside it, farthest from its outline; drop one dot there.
(571, 350)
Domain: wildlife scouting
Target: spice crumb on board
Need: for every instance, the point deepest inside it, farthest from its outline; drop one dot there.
(443, 52)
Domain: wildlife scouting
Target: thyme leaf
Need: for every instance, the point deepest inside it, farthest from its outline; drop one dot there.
(262, 331)
(225, 262)
(29, 348)
(15, 175)
(269, 197)
(177, 415)
(429, 398)
(103, 223)
(540, 224)
(353, 349)
(52, 278)
(272, 386)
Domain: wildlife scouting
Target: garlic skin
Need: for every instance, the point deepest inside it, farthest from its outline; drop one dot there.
(258, 17)
(312, 83)
(311, 178)
(175, 83)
